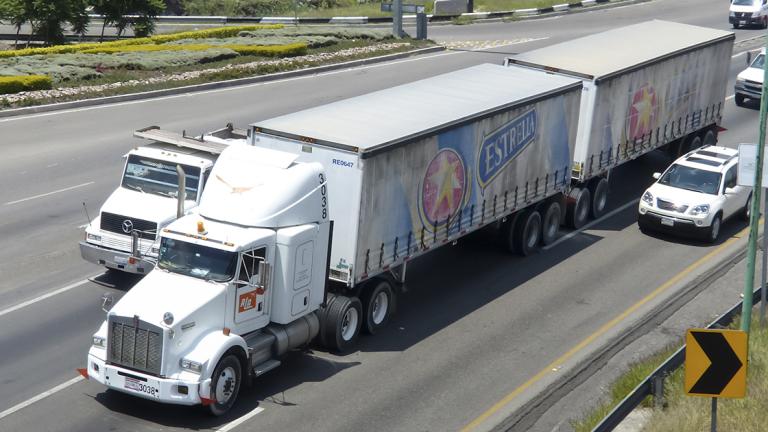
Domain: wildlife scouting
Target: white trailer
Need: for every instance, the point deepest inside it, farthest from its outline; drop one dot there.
(651, 85)
(307, 232)
(124, 235)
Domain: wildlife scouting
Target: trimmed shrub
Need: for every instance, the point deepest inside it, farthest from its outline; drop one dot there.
(15, 84)
(340, 33)
(311, 41)
(271, 51)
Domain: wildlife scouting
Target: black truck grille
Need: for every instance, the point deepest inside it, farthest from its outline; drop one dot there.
(135, 344)
(124, 225)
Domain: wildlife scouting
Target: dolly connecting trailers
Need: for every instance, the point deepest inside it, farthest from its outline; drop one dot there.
(355, 189)
(647, 86)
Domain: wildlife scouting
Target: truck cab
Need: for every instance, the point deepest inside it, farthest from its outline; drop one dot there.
(749, 82)
(748, 12)
(124, 235)
(237, 284)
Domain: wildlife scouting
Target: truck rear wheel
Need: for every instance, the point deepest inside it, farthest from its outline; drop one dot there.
(342, 323)
(550, 222)
(739, 99)
(225, 385)
(578, 207)
(599, 190)
(527, 232)
(710, 138)
(378, 302)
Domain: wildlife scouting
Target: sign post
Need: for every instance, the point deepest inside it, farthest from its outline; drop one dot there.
(716, 365)
(397, 8)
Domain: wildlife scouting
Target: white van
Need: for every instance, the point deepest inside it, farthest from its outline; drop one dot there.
(748, 12)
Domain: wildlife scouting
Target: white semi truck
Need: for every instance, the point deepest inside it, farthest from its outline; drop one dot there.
(124, 236)
(306, 234)
(652, 85)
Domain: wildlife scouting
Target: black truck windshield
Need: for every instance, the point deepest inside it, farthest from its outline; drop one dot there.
(197, 261)
(158, 177)
(694, 179)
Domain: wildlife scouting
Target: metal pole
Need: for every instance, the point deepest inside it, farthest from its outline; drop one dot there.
(397, 18)
(470, 6)
(749, 280)
(714, 415)
(765, 262)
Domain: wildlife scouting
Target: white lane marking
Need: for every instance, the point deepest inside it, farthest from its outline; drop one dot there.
(240, 87)
(44, 296)
(49, 193)
(589, 225)
(729, 97)
(83, 226)
(42, 395)
(237, 422)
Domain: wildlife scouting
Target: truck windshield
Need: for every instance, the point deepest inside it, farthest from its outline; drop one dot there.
(745, 2)
(759, 62)
(157, 177)
(197, 261)
(694, 179)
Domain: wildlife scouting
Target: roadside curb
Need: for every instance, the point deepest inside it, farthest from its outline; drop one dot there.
(524, 415)
(214, 85)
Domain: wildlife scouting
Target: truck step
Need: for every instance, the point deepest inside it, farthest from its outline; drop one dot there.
(265, 367)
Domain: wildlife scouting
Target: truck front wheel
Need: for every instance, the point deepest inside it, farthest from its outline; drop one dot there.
(225, 385)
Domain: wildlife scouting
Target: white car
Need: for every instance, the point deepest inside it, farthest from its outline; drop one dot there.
(696, 194)
(748, 12)
(749, 82)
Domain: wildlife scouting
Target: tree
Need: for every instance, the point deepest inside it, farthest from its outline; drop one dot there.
(139, 14)
(46, 17)
(17, 12)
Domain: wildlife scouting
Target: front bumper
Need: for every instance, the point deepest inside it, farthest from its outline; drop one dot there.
(750, 91)
(166, 390)
(745, 20)
(115, 259)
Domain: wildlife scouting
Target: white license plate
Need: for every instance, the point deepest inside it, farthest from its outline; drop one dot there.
(667, 221)
(148, 387)
(742, 22)
(121, 260)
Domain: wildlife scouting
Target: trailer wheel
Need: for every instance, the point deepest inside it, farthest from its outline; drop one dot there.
(551, 222)
(599, 190)
(225, 385)
(695, 143)
(710, 138)
(342, 323)
(527, 232)
(378, 303)
(577, 212)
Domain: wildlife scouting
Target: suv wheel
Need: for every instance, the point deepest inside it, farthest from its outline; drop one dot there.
(746, 212)
(714, 229)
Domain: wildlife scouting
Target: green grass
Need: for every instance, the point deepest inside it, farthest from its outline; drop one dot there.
(622, 387)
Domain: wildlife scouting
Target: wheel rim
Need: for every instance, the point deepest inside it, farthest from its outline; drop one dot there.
(582, 210)
(552, 223)
(533, 234)
(225, 385)
(696, 143)
(380, 307)
(349, 324)
(709, 138)
(715, 228)
(749, 207)
(602, 200)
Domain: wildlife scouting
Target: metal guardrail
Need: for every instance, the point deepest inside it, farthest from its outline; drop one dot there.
(653, 384)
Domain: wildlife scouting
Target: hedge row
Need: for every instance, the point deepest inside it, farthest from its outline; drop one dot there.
(158, 39)
(263, 50)
(15, 84)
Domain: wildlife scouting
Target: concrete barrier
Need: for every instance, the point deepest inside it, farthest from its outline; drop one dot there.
(449, 7)
(349, 20)
(561, 7)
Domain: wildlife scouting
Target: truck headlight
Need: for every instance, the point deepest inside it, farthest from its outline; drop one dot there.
(755, 14)
(733, 14)
(191, 366)
(99, 341)
(648, 198)
(702, 210)
(92, 237)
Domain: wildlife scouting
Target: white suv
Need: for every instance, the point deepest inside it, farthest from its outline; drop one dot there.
(696, 194)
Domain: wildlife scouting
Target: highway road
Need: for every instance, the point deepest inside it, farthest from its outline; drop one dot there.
(477, 326)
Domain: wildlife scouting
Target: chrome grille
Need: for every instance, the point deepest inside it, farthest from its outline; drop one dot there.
(135, 344)
(124, 244)
(670, 206)
(114, 223)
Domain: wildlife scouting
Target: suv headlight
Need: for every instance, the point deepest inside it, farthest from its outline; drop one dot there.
(191, 366)
(92, 237)
(755, 14)
(99, 341)
(648, 198)
(702, 210)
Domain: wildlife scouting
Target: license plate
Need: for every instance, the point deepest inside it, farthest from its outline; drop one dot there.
(667, 221)
(743, 22)
(121, 260)
(142, 387)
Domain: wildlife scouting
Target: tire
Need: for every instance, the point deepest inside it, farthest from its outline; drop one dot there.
(527, 232)
(343, 320)
(643, 227)
(577, 212)
(225, 385)
(735, 25)
(695, 143)
(507, 233)
(739, 99)
(550, 223)
(599, 191)
(764, 24)
(378, 304)
(710, 138)
(746, 212)
(713, 233)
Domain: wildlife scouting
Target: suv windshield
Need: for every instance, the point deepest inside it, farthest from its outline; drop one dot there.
(197, 261)
(694, 179)
(759, 62)
(158, 177)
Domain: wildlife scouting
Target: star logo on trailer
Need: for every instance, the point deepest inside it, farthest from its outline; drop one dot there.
(442, 191)
(643, 112)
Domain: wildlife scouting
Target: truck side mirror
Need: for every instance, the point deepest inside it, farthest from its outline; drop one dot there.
(263, 273)
(107, 301)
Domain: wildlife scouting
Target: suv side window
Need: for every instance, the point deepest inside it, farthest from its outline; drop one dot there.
(730, 178)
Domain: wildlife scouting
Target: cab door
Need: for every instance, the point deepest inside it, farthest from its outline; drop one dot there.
(252, 289)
